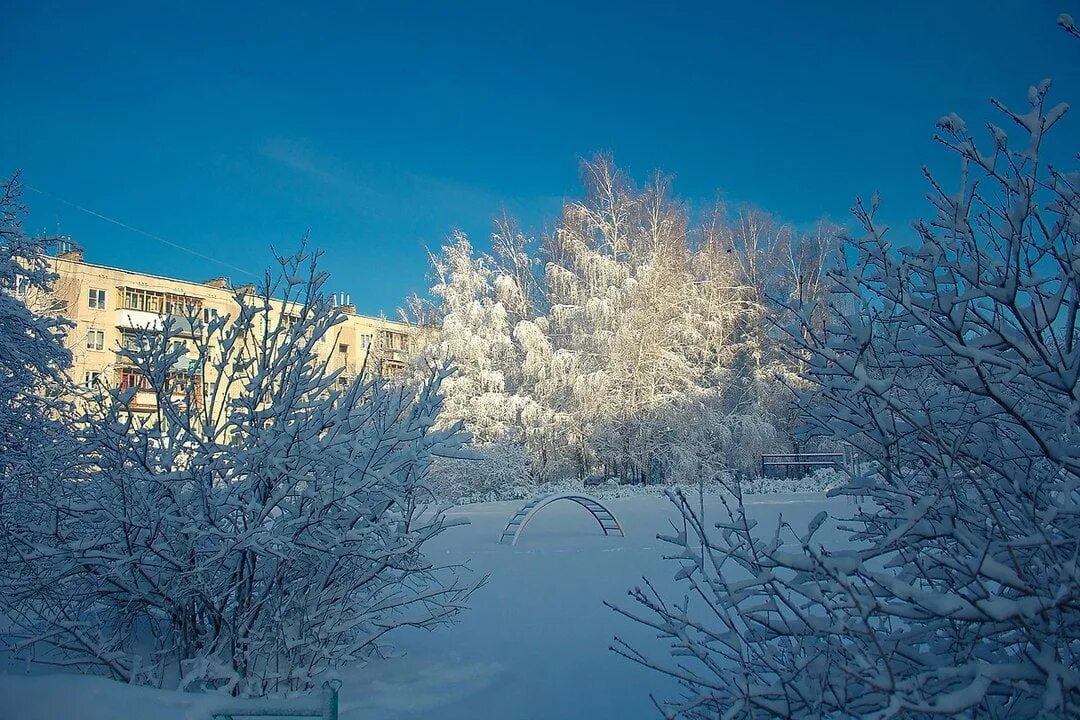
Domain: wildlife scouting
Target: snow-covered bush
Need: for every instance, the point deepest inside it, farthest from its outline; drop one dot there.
(703, 439)
(264, 521)
(956, 376)
(822, 480)
(495, 471)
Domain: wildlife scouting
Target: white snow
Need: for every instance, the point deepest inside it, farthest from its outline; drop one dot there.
(533, 645)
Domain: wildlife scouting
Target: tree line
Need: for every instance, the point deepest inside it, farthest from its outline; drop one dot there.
(636, 340)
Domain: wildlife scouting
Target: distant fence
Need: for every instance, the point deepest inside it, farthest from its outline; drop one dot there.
(300, 708)
(798, 464)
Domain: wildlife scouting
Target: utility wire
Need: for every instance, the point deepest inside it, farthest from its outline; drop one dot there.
(150, 235)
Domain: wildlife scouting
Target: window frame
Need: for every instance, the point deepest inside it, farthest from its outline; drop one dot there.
(181, 305)
(100, 335)
(143, 300)
(133, 338)
(133, 378)
(99, 296)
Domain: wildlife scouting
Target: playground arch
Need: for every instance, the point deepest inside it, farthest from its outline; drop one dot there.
(607, 520)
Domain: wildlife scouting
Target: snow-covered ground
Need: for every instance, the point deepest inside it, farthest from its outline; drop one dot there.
(534, 644)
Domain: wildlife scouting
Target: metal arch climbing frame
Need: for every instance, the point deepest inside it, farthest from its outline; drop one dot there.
(608, 523)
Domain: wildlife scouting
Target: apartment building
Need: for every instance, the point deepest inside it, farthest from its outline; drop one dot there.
(111, 306)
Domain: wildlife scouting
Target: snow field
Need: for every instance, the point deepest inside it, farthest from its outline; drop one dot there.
(534, 643)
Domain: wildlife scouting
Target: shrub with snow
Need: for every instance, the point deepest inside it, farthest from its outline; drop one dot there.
(493, 471)
(957, 377)
(246, 536)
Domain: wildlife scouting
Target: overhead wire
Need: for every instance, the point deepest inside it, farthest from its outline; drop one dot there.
(136, 230)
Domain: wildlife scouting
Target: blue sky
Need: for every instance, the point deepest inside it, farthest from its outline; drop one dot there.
(382, 127)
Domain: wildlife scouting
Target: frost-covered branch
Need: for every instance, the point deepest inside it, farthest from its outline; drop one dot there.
(953, 366)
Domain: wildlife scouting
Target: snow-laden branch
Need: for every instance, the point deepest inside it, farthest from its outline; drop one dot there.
(953, 367)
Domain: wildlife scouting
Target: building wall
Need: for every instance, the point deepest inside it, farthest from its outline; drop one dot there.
(137, 301)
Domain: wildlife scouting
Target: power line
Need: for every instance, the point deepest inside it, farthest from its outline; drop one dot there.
(133, 229)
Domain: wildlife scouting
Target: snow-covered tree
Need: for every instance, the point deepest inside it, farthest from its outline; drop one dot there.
(265, 522)
(475, 334)
(953, 365)
(32, 354)
(618, 288)
(628, 341)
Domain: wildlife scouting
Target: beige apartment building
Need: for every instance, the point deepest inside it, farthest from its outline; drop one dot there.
(111, 306)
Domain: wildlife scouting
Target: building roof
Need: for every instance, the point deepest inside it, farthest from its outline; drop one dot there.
(202, 285)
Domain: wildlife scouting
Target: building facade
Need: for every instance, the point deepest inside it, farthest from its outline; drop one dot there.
(111, 307)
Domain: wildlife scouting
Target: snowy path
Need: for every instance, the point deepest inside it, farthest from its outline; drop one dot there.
(534, 644)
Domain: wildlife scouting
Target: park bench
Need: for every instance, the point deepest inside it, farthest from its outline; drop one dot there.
(798, 464)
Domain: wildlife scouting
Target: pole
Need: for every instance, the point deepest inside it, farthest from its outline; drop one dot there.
(330, 699)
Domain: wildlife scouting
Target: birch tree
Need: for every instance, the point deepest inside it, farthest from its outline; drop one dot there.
(630, 341)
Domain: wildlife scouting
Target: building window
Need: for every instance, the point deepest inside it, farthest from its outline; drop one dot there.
(130, 378)
(182, 305)
(209, 315)
(22, 285)
(145, 300)
(343, 348)
(135, 339)
(92, 378)
(95, 339)
(365, 341)
(97, 299)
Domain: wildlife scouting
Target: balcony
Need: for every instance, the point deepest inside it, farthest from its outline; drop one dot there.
(153, 322)
(185, 384)
(186, 365)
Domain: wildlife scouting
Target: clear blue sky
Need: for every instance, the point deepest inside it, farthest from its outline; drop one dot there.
(382, 127)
